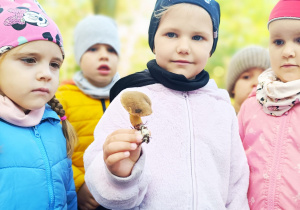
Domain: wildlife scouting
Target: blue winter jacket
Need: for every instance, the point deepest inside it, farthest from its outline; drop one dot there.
(35, 172)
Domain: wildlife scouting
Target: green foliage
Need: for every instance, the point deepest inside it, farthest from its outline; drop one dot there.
(242, 23)
(105, 7)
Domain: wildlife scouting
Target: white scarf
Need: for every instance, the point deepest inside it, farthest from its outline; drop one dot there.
(91, 90)
(275, 96)
(14, 115)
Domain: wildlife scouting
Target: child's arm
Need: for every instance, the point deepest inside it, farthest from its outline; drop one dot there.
(115, 179)
(239, 173)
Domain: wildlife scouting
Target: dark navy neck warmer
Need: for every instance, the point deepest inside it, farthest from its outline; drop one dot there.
(156, 74)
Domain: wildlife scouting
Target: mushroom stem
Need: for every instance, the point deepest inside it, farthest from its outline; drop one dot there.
(135, 120)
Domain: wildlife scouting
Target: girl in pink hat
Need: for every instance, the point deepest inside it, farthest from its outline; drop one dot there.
(269, 120)
(35, 148)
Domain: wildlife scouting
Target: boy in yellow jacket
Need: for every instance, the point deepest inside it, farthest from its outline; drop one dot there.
(86, 97)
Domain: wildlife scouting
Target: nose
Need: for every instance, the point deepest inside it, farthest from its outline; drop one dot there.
(288, 51)
(44, 73)
(183, 46)
(103, 54)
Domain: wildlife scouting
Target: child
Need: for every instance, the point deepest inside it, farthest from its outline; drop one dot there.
(195, 159)
(97, 50)
(269, 119)
(35, 167)
(243, 70)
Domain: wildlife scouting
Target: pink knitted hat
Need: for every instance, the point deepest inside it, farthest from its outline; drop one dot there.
(285, 9)
(23, 21)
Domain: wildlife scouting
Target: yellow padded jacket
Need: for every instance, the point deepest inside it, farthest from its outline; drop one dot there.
(83, 112)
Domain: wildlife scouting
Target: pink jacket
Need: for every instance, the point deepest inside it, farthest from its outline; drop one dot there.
(272, 146)
(195, 158)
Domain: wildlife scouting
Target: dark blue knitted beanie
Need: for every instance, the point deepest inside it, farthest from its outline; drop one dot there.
(211, 6)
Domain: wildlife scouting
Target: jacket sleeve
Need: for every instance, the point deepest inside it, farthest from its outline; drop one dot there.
(239, 173)
(108, 190)
(71, 193)
(78, 177)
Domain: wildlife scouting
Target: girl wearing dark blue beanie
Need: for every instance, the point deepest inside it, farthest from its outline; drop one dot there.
(195, 158)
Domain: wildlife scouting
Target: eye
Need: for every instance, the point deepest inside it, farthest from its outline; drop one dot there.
(28, 60)
(298, 40)
(92, 49)
(111, 50)
(55, 65)
(246, 77)
(197, 38)
(171, 35)
(278, 42)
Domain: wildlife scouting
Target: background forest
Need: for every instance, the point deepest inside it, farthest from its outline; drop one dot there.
(243, 23)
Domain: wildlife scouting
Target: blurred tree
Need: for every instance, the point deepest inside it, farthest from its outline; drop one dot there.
(105, 7)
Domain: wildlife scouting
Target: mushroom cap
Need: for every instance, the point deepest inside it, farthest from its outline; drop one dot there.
(136, 103)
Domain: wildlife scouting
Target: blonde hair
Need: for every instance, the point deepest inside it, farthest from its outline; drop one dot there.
(68, 130)
(159, 13)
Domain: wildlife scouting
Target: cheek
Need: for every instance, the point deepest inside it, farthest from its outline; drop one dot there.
(274, 59)
(55, 79)
(114, 61)
(86, 60)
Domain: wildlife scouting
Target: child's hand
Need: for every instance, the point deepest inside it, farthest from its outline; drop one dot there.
(85, 199)
(121, 150)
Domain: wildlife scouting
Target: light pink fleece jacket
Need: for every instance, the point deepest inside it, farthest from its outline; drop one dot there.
(272, 146)
(195, 158)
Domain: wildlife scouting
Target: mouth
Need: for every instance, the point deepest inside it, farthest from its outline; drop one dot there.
(41, 90)
(181, 62)
(104, 69)
(288, 65)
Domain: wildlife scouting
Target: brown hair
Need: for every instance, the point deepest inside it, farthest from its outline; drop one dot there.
(68, 130)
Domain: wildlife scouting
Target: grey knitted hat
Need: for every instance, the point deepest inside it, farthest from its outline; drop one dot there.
(245, 59)
(95, 29)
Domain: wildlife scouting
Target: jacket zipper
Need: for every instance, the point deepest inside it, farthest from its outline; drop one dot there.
(275, 165)
(47, 166)
(194, 201)
(103, 105)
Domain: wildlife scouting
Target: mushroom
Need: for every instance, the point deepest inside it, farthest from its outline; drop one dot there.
(138, 105)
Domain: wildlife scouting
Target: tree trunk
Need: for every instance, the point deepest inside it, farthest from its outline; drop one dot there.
(105, 7)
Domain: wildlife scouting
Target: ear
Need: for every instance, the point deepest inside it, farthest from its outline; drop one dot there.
(153, 50)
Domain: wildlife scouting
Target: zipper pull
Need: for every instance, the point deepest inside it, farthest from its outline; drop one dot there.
(36, 132)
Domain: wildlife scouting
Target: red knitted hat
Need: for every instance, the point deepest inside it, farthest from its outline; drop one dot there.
(285, 9)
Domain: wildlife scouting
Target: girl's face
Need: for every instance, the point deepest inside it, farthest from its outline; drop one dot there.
(183, 40)
(29, 74)
(244, 85)
(284, 49)
(99, 64)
